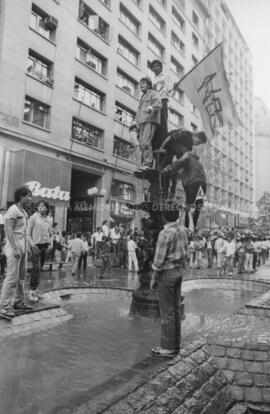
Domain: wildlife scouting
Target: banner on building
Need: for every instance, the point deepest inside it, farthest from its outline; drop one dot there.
(207, 87)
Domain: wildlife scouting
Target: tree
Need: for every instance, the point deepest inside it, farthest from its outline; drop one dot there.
(263, 205)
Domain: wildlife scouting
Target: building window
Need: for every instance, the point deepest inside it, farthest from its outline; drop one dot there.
(106, 2)
(91, 58)
(195, 40)
(123, 114)
(129, 20)
(178, 19)
(176, 67)
(42, 23)
(194, 127)
(156, 19)
(179, 96)
(122, 148)
(88, 95)
(122, 190)
(194, 110)
(93, 21)
(194, 60)
(155, 46)
(177, 43)
(163, 3)
(195, 18)
(128, 52)
(126, 83)
(176, 118)
(36, 112)
(87, 134)
(39, 68)
(138, 3)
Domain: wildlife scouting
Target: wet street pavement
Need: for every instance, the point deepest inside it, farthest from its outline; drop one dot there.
(56, 279)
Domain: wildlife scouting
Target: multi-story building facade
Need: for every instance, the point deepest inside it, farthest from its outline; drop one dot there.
(262, 147)
(69, 82)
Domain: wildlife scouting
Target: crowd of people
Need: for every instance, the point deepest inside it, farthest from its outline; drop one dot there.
(243, 251)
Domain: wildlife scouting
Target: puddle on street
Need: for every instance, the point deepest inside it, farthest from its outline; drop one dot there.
(46, 368)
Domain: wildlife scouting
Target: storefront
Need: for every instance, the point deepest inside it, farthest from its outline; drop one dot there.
(48, 178)
(123, 196)
(82, 209)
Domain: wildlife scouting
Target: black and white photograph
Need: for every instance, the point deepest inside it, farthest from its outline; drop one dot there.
(134, 206)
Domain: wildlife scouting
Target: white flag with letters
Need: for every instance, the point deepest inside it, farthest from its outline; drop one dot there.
(207, 87)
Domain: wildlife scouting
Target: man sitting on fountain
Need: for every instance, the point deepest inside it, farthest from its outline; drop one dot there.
(146, 121)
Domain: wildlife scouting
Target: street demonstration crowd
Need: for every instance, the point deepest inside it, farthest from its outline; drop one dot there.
(37, 239)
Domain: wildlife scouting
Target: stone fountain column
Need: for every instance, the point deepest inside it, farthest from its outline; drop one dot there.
(145, 301)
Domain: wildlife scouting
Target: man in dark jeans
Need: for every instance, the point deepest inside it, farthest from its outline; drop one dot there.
(39, 233)
(193, 180)
(169, 262)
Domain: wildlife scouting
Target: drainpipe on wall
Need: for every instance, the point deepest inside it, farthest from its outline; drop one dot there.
(5, 162)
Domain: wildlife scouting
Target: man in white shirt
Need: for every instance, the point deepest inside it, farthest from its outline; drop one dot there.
(12, 296)
(76, 248)
(132, 257)
(97, 242)
(229, 249)
(219, 243)
(105, 228)
(84, 254)
(163, 84)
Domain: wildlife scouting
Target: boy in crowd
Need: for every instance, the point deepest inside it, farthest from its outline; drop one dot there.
(106, 256)
(76, 247)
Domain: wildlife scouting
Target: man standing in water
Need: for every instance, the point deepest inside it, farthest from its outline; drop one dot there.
(168, 267)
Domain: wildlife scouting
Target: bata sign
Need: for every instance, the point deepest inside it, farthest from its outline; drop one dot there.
(45, 192)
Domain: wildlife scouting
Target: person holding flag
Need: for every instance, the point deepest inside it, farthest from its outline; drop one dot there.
(163, 84)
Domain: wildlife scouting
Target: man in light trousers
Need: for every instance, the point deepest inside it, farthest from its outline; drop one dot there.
(170, 259)
(12, 295)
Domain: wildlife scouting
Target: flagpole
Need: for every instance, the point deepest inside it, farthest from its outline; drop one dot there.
(194, 67)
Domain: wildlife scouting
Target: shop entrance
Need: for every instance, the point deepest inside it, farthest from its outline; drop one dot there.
(81, 214)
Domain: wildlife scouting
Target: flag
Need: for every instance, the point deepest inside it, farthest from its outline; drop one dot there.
(207, 87)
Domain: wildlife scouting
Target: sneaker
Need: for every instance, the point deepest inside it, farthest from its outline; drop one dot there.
(165, 353)
(22, 306)
(32, 296)
(38, 294)
(7, 313)
(144, 168)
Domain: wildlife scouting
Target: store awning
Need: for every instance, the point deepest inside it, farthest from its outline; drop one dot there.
(48, 178)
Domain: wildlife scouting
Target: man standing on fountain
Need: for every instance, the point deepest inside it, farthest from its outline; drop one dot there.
(169, 262)
(163, 84)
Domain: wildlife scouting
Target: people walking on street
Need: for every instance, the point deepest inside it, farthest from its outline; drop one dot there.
(12, 295)
(39, 234)
(249, 249)
(219, 244)
(132, 257)
(106, 255)
(199, 246)
(97, 242)
(209, 251)
(84, 254)
(229, 250)
(240, 247)
(168, 267)
(76, 248)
